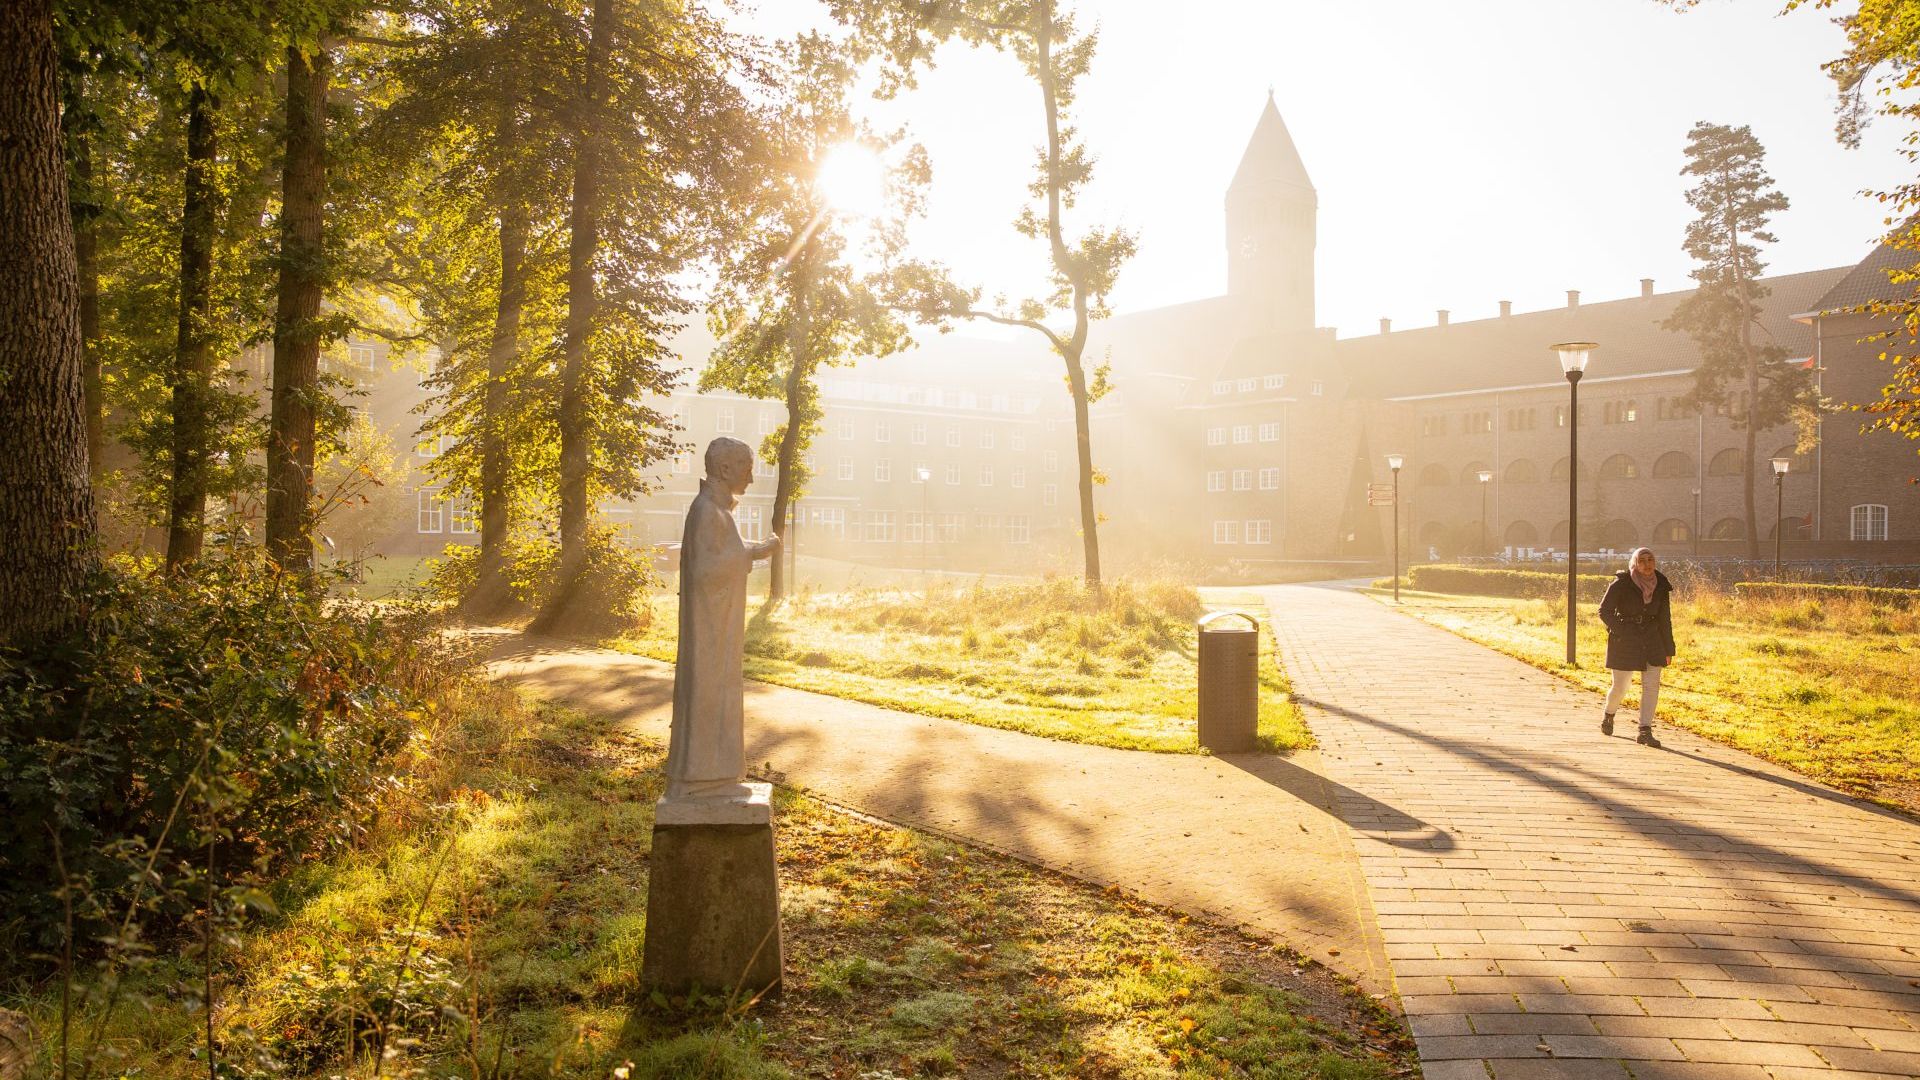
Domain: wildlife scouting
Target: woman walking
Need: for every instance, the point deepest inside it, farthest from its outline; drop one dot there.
(1638, 611)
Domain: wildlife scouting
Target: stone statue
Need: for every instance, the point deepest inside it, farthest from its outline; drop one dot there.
(706, 759)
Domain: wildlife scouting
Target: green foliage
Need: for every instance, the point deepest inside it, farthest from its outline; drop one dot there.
(1900, 599)
(235, 708)
(1485, 581)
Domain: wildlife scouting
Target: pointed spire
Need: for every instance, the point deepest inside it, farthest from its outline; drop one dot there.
(1270, 157)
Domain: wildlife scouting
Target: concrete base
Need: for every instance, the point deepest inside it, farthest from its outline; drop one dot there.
(713, 908)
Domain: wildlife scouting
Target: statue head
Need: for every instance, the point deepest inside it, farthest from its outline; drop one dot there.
(730, 464)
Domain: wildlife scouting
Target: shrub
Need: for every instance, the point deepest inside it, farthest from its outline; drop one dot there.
(1487, 581)
(234, 713)
(1900, 599)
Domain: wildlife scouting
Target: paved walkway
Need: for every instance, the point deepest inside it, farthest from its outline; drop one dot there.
(1250, 840)
(1558, 904)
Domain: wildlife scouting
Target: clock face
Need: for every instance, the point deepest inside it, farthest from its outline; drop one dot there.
(1249, 246)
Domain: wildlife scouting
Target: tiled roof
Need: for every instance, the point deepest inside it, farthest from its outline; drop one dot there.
(1514, 351)
(1868, 281)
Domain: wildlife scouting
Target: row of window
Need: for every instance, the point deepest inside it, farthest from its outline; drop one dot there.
(1618, 411)
(442, 513)
(940, 397)
(1259, 531)
(1243, 433)
(1243, 479)
(911, 526)
(1672, 465)
(845, 469)
(1867, 521)
(1269, 382)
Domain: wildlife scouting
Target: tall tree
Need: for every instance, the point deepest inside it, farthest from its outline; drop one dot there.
(1056, 55)
(193, 366)
(789, 300)
(1735, 200)
(46, 500)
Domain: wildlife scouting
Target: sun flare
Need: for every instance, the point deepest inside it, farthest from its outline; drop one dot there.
(853, 180)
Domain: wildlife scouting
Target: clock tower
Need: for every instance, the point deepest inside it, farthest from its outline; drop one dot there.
(1271, 209)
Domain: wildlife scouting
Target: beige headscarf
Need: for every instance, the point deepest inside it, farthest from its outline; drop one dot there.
(1647, 584)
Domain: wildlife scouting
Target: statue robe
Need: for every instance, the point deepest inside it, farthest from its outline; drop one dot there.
(705, 748)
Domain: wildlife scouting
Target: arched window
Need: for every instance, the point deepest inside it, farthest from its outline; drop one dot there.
(1798, 462)
(1522, 472)
(1867, 521)
(1619, 467)
(1672, 531)
(1619, 534)
(1471, 474)
(1559, 471)
(1433, 534)
(1727, 463)
(1522, 534)
(1728, 529)
(1434, 476)
(1673, 465)
(1557, 536)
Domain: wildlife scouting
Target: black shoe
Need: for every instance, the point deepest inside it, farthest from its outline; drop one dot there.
(1646, 738)
(1606, 724)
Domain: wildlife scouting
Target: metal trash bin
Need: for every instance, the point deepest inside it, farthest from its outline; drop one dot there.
(1229, 683)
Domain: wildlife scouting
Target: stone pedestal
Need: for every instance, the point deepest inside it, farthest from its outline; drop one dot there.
(713, 898)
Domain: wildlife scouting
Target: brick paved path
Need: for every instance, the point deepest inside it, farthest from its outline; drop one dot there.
(1251, 840)
(1559, 904)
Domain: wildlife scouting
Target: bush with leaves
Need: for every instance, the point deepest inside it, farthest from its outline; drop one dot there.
(610, 597)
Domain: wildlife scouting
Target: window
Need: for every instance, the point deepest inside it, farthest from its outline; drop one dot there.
(1672, 465)
(1559, 416)
(1522, 419)
(1217, 480)
(846, 429)
(831, 520)
(883, 470)
(683, 463)
(879, 527)
(986, 476)
(845, 469)
(1672, 531)
(953, 435)
(1019, 529)
(950, 528)
(1222, 387)
(1270, 479)
(953, 474)
(1018, 478)
(916, 395)
(1319, 388)
(1869, 522)
(1050, 461)
(1728, 462)
(882, 432)
(1728, 529)
(1243, 479)
(1433, 425)
(1243, 433)
(916, 530)
(1522, 472)
(918, 433)
(752, 523)
(920, 469)
(763, 468)
(1017, 440)
(985, 525)
(986, 440)
(1619, 467)
(434, 447)
(1049, 494)
(1630, 412)
(763, 423)
(1216, 436)
(723, 420)
(360, 358)
(999, 403)
(1275, 382)
(1270, 432)
(1260, 532)
(1248, 385)
(432, 512)
(1522, 534)
(969, 399)
(1226, 532)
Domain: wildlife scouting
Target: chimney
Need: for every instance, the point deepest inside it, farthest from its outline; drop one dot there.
(1506, 309)
(1441, 316)
(1573, 298)
(1386, 326)
(1646, 288)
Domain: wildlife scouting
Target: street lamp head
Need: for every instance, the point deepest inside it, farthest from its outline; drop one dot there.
(1394, 461)
(922, 474)
(1486, 475)
(1780, 465)
(1574, 356)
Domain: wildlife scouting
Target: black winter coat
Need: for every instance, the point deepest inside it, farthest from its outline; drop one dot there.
(1639, 634)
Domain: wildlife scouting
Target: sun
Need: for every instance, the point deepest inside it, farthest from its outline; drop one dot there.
(853, 180)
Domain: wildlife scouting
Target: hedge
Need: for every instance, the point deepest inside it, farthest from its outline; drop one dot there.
(1803, 590)
(1489, 581)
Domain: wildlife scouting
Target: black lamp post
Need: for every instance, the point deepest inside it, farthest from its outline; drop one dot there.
(1573, 362)
(1486, 478)
(1394, 461)
(1780, 466)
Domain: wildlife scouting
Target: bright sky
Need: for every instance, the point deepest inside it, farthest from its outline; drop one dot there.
(1465, 152)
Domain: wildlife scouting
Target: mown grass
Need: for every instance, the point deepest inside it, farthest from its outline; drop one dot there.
(1046, 658)
(504, 939)
(1828, 687)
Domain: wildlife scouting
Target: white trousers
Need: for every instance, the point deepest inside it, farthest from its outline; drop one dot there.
(1649, 693)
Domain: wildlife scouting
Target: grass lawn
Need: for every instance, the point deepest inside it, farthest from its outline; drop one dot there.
(1037, 657)
(502, 937)
(384, 575)
(1830, 688)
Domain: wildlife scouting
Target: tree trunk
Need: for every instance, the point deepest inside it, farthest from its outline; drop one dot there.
(799, 380)
(46, 502)
(495, 509)
(1065, 262)
(296, 326)
(575, 454)
(193, 353)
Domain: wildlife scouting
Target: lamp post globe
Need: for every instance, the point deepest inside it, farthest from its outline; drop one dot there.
(1573, 364)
